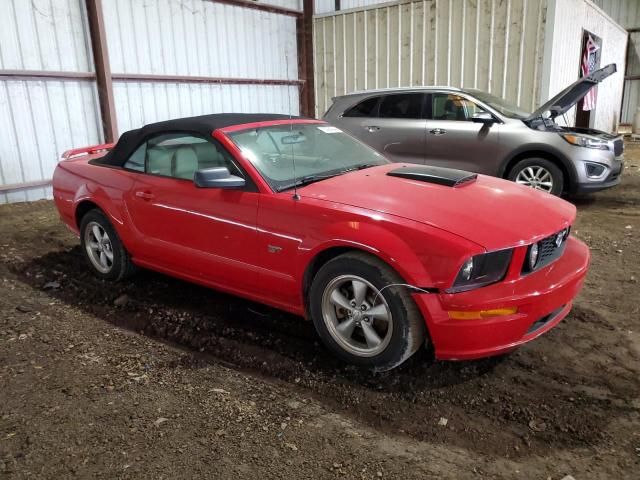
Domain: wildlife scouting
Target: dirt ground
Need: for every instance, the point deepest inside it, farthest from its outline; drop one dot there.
(158, 378)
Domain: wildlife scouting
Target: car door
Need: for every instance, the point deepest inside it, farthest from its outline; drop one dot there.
(454, 140)
(208, 233)
(394, 124)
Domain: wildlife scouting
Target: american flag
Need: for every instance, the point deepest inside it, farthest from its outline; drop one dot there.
(588, 66)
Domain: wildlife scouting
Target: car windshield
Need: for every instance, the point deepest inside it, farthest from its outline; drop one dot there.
(295, 154)
(500, 104)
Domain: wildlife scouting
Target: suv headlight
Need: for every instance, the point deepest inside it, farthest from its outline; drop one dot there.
(584, 141)
(481, 270)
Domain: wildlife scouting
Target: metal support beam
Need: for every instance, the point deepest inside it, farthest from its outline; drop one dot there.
(304, 28)
(144, 77)
(103, 69)
(16, 187)
(47, 75)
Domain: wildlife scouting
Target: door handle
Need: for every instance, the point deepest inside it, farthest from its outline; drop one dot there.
(438, 131)
(144, 195)
(371, 128)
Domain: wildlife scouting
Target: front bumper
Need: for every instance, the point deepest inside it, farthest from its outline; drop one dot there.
(611, 180)
(543, 299)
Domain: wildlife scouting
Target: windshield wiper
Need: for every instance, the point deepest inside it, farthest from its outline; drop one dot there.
(308, 179)
(318, 177)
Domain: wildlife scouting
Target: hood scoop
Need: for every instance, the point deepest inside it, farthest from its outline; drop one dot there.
(438, 175)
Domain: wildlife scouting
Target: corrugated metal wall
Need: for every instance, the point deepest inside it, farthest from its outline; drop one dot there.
(567, 19)
(327, 6)
(624, 12)
(41, 118)
(198, 38)
(493, 45)
(627, 14)
(631, 99)
(290, 4)
(44, 117)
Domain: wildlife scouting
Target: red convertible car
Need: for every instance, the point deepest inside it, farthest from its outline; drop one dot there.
(294, 213)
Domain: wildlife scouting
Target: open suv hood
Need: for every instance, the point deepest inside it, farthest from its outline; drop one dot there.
(571, 95)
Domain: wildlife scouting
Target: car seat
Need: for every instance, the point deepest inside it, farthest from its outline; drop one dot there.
(184, 163)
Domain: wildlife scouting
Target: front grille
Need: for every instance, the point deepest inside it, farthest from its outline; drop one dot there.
(548, 251)
(618, 147)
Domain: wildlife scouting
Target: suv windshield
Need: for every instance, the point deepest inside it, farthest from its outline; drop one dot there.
(500, 104)
(320, 151)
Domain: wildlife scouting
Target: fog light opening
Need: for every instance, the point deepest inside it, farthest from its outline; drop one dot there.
(594, 170)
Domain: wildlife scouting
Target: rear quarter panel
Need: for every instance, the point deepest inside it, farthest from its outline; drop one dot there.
(76, 181)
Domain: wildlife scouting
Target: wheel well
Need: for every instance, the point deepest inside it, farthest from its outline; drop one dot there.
(83, 208)
(547, 156)
(316, 264)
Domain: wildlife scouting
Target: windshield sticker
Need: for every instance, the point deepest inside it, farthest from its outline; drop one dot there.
(330, 129)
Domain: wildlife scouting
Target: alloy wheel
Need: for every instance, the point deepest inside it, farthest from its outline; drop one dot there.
(98, 246)
(536, 177)
(357, 315)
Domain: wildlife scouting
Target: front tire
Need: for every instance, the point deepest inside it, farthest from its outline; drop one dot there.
(102, 247)
(364, 313)
(539, 174)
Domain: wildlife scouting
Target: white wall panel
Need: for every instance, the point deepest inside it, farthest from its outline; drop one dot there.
(42, 119)
(44, 35)
(290, 4)
(568, 18)
(327, 6)
(139, 103)
(493, 45)
(199, 38)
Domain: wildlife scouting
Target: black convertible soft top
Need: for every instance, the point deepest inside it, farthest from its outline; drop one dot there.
(202, 125)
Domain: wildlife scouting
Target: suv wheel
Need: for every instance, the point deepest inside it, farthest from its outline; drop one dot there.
(538, 173)
(102, 247)
(359, 318)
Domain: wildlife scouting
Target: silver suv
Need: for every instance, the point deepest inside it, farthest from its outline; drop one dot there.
(476, 131)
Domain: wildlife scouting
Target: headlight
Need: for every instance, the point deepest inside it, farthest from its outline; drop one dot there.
(533, 256)
(482, 270)
(583, 141)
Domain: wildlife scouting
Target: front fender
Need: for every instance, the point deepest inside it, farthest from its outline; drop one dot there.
(423, 256)
(535, 149)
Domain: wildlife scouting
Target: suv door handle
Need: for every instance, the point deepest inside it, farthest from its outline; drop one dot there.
(438, 131)
(144, 195)
(371, 128)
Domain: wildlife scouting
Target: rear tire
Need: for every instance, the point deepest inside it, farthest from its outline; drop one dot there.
(362, 319)
(538, 173)
(102, 248)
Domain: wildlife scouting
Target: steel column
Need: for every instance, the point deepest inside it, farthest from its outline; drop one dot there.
(103, 69)
(304, 28)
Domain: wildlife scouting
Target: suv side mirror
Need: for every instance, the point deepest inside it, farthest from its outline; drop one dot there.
(217, 177)
(483, 117)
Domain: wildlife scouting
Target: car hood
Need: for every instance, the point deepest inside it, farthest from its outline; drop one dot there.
(571, 95)
(491, 212)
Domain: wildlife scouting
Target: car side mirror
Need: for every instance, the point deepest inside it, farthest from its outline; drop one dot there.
(483, 117)
(217, 177)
